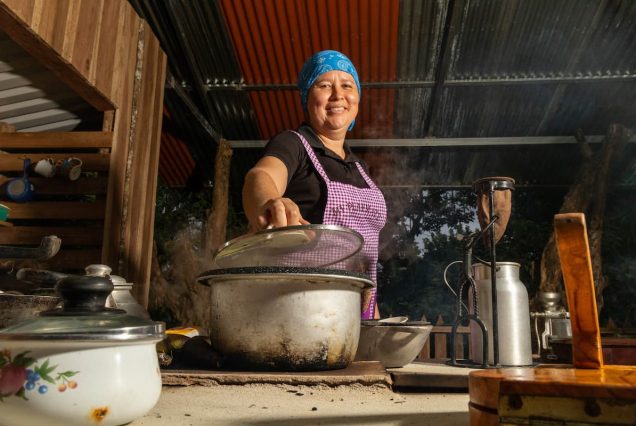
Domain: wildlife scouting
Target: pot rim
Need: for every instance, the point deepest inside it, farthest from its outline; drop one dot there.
(280, 272)
(137, 333)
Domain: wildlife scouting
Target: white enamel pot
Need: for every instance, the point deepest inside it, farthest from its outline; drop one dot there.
(79, 365)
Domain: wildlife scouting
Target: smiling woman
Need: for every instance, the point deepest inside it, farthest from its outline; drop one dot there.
(310, 175)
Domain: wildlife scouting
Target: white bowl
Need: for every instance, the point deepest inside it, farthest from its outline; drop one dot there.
(394, 345)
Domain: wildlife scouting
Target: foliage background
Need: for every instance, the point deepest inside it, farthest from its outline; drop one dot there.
(422, 236)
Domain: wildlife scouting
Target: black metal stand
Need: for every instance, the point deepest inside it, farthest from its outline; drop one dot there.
(487, 186)
(460, 318)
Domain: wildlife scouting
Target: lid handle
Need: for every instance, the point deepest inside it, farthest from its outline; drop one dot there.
(83, 295)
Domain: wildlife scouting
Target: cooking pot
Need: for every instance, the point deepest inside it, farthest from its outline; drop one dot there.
(285, 318)
(82, 364)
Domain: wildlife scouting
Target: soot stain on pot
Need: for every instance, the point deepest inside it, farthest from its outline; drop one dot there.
(98, 414)
(274, 360)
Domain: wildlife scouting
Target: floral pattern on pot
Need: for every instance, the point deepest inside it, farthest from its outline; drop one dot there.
(21, 375)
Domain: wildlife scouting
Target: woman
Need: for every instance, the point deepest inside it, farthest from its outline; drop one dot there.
(311, 175)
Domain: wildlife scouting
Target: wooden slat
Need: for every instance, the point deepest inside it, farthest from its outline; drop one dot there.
(90, 162)
(32, 235)
(22, 9)
(86, 36)
(440, 346)
(58, 30)
(19, 30)
(68, 260)
(144, 174)
(123, 85)
(107, 51)
(56, 210)
(57, 140)
(61, 186)
(576, 264)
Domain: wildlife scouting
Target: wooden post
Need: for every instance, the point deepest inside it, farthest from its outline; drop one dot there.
(583, 196)
(217, 220)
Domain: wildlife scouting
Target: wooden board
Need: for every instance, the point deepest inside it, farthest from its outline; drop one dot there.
(57, 140)
(70, 235)
(430, 375)
(576, 264)
(61, 210)
(15, 162)
(500, 392)
(366, 373)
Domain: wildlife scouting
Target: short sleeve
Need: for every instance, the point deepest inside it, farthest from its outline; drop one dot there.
(287, 148)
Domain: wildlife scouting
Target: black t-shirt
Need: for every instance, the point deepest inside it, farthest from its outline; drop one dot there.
(304, 185)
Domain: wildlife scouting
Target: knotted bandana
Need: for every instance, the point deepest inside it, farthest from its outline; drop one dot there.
(320, 63)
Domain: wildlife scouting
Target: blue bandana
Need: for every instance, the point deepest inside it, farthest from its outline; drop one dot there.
(320, 63)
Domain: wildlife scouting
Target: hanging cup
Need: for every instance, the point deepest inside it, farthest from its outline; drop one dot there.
(45, 167)
(71, 168)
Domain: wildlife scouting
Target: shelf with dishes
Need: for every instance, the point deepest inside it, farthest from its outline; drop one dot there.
(55, 183)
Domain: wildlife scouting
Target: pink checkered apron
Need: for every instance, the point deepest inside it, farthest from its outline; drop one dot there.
(361, 209)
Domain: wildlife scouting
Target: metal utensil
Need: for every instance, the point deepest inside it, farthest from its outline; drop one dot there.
(49, 246)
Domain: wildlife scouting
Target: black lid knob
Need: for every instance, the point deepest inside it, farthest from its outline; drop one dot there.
(83, 295)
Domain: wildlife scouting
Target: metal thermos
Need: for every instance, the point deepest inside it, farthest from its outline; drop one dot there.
(513, 315)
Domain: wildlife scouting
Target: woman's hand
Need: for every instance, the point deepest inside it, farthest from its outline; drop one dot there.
(279, 212)
(263, 202)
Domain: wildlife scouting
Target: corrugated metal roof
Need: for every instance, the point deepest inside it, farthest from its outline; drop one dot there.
(272, 43)
(429, 69)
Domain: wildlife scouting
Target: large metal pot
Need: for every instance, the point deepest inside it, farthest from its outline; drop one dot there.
(289, 319)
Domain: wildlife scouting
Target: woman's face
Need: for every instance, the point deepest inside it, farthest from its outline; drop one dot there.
(332, 102)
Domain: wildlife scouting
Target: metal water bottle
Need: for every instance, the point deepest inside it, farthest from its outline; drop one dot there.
(513, 314)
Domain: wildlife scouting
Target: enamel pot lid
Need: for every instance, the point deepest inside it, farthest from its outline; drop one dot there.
(291, 246)
(84, 317)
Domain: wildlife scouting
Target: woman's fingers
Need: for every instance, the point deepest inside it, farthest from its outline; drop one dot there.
(281, 212)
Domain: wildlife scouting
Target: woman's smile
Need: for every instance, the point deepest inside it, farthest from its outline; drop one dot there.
(332, 103)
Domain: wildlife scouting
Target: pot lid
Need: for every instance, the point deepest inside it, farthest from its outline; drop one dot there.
(279, 273)
(291, 246)
(84, 317)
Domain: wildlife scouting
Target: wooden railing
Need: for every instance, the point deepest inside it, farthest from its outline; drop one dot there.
(437, 347)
